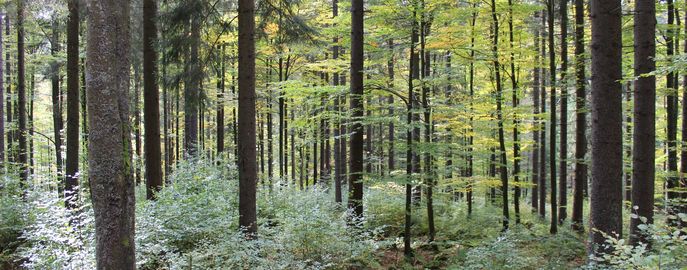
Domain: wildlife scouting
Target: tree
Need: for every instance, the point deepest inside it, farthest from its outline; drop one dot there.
(2, 111)
(111, 179)
(194, 76)
(563, 170)
(246, 117)
(536, 88)
(644, 135)
(151, 101)
(671, 114)
(356, 105)
(72, 166)
(580, 181)
(21, 91)
(503, 171)
(552, 123)
(607, 157)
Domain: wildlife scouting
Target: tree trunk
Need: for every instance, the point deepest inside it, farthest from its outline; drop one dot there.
(2, 108)
(151, 99)
(542, 139)
(192, 90)
(552, 124)
(111, 179)
(672, 111)
(356, 162)
(72, 169)
(516, 142)
(563, 170)
(607, 161)
(56, 104)
(220, 103)
(503, 171)
(21, 91)
(644, 136)
(9, 112)
(580, 121)
(536, 85)
(246, 117)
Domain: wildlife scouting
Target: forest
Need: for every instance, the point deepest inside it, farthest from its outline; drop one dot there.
(328, 134)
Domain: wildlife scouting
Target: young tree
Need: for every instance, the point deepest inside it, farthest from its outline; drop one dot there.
(644, 135)
(607, 156)
(552, 124)
(503, 169)
(356, 162)
(580, 120)
(111, 179)
(151, 100)
(246, 117)
(72, 166)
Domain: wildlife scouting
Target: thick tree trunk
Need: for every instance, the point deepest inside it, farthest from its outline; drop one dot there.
(580, 121)
(111, 179)
(246, 117)
(607, 156)
(151, 101)
(72, 169)
(356, 162)
(644, 136)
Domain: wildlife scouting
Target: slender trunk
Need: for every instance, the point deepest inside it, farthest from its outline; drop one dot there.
(580, 121)
(2, 108)
(192, 90)
(56, 104)
(536, 85)
(563, 170)
(21, 91)
(151, 99)
(552, 124)
(515, 101)
(503, 171)
(220, 103)
(672, 111)
(542, 138)
(471, 108)
(246, 114)
(72, 169)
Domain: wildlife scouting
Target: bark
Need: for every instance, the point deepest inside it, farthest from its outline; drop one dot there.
(536, 85)
(607, 161)
(21, 92)
(56, 104)
(192, 91)
(644, 136)
(552, 123)
(151, 101)
(503, 170)
(72, 166)
(471, 108)
(338, 172)
(246, 117)
(9, 112)
(542, 138)
(563, 170)
(356, 105)
(516, 121)
(2, 108)
(672, 111)
(580, 181)
(111, 179)
(220, 104)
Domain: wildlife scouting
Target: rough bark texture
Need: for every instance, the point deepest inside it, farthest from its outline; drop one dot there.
(246, 117)
(580, 180)
(151, 100)
(111, 179)
(192, 90)
(356, 105)
(2, 108)
(72, 166)
(644, 135)
(21, 91)
(542, 128)
(672, 110)
(56, 100)
(607, 157)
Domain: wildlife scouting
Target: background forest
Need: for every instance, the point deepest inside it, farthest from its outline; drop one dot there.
(311, 134)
